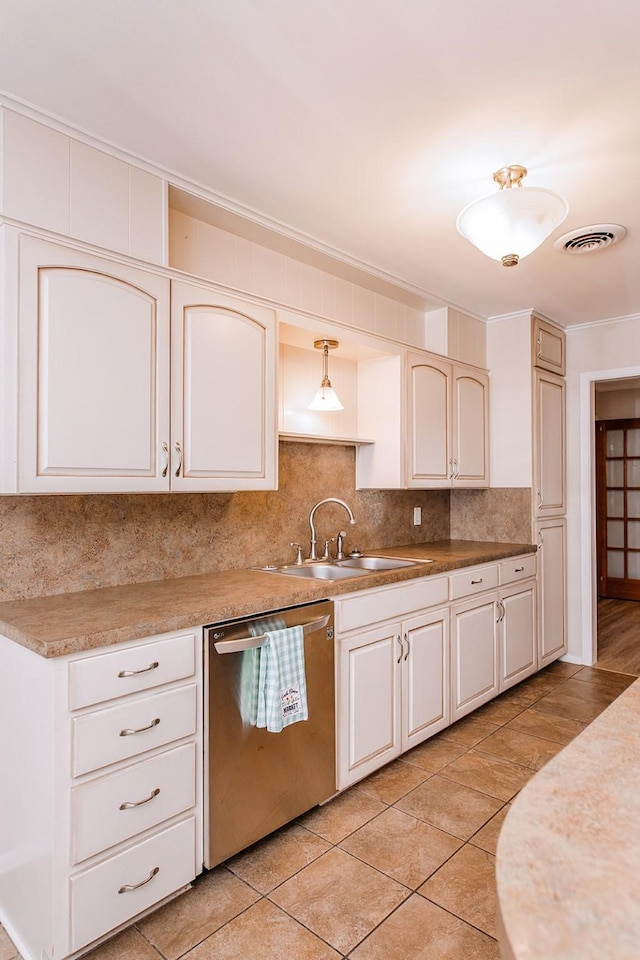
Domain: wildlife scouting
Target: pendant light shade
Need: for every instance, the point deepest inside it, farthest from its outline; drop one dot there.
(326, 398)
(511, 224)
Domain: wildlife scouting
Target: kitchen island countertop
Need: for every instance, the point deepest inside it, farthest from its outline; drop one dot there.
(68, 623)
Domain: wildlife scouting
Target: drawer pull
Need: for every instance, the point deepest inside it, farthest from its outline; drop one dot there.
(477, 581)
(128, 887)
(134, 673)
(518, 570)
(130, 804)
(127, 732)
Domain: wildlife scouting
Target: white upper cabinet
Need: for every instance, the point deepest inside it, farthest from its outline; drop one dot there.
(429, 420)
(549, 445)
(223, 374)
(88, 406)
(93, 382)
(548, 346)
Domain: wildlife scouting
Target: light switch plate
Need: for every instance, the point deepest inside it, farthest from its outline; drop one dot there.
(417, 516)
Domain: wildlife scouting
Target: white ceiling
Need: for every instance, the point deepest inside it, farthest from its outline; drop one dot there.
(368, 125)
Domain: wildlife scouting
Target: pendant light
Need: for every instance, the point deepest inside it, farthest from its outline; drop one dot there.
(511, 224)
(326, 398)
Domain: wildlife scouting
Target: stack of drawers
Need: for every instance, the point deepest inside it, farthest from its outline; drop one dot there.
(134, 803)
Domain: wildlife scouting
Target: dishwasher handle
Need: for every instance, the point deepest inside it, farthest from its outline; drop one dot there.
(252, 643)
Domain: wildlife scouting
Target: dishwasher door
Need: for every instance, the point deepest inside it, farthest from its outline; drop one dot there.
(257, 781)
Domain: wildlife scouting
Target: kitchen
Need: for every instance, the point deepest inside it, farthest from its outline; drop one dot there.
(85, 541)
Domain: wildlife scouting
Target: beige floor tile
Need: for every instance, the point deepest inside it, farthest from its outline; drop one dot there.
(434, 754)
(393, 781)
(560, 704)
(449, 806)
(339, 898)
(216, 898)
(128, 945)
(342, 815)
(522, 748)
(487, 837)
(598, 693)
(7, 949)
(605, 678)
(466, 885)
(469, 731)
(420, 930)
(276, 858)
(541, 683)
(407, 849)
(490, 775)
(501, 710)
(263, 932)
(557, 729)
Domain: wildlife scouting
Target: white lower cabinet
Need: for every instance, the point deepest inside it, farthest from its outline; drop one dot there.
(392, 690)
(474, 653)
(108, 746)
(552, 601)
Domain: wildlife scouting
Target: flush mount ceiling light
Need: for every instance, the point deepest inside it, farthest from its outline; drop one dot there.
(509, 225)
(326, 398)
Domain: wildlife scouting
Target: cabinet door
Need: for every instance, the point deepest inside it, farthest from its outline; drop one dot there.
(429, 426)
(224, 431)
(552, 629)
(94, 373)
(548, 346)
(470, 428)
(425, 677)
(518, 638)
(474, 646)
(368, 702)
(549, 444)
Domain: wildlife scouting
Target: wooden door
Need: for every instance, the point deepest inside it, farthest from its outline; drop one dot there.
(368, 702)
(223, 392)
(94, 374)
(618, 508)
(425, 677)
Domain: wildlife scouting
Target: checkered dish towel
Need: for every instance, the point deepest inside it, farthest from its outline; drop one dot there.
(282, 685)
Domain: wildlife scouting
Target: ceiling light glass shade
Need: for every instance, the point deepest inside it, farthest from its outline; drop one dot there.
(511, 224)
(326, 399)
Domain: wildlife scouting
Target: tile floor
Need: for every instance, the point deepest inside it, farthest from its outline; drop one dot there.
(399, 867)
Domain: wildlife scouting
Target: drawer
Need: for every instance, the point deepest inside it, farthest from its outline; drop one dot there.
(117, 733)
(126, 670)
(473, 580)
(389, 603)
(102, 898)
(119, 806)
(517, 568)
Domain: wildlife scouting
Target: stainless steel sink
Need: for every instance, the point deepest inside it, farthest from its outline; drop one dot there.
(378, 563)
(317, 571)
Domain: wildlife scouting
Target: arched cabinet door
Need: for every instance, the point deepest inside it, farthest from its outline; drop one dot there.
(223, 391)
(429, 422)
(470, 428)
(93, 373)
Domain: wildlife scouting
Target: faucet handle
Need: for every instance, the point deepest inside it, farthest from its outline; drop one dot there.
(325, 554)
(298, 549)
(340, 545)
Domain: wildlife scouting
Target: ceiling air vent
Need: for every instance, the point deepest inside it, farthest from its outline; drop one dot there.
(598, 236)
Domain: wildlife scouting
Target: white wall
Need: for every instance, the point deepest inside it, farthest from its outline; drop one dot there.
(603, 351)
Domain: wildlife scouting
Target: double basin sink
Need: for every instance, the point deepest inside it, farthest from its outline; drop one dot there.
(342, 569)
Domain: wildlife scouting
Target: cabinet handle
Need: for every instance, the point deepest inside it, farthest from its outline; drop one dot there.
(473, 582)
(179, 452)
(134, 673)
(519, 570)
(540, 539)
(136, 886)
(399, 639)
(456, 471)
(539, 346)
(130, 804)
(127, 732)
(503, 611)
(165, 458)
(451, 471)
(406, 640)
(539, 498)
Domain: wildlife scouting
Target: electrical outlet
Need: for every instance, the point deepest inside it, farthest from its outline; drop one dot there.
(417, 516)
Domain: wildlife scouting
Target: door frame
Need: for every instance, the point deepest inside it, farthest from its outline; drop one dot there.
(587, 508)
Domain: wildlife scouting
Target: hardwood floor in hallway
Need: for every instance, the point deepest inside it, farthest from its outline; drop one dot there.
(619, 636)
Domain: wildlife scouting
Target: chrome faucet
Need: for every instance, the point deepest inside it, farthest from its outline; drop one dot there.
(313, 555)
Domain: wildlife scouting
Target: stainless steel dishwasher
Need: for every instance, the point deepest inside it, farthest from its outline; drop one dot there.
(257, 781)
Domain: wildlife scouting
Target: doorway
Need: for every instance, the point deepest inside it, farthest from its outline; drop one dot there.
(618, 507)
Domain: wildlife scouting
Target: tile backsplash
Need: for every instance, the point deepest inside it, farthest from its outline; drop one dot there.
(53, 544)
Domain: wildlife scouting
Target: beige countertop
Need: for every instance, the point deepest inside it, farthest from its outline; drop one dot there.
(66, 623)
(568, 865)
